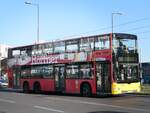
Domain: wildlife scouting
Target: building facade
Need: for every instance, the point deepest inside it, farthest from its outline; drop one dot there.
(146, 73)
(3, 55)
(3, 51)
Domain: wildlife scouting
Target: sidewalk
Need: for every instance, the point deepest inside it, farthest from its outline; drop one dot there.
(145, 89)
(11, 89)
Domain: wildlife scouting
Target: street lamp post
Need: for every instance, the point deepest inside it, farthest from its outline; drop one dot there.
(112, 20)
(37, 5)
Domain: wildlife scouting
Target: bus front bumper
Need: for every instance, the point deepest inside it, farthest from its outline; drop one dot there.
(121, 88)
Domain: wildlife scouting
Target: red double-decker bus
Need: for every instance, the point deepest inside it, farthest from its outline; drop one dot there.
(99, 64)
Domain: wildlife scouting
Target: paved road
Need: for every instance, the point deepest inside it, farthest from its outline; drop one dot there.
(14, 102)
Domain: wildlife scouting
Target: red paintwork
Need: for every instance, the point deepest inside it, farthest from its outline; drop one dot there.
(102, 54)
(70, 84)
(73, 85)
(10, 77)
(111, 60)
(46, 84)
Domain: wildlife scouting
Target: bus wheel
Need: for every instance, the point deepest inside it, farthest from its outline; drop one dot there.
(25, 87)
(37, 87)
(86, 90)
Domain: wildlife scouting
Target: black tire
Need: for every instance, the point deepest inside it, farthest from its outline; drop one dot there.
(37, 88)
(86, 90)
(26, 87)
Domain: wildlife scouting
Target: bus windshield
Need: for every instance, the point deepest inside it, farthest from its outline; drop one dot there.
(125, 58)
(127, 73)
(123, 44)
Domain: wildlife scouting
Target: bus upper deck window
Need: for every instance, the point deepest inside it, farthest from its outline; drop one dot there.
(15, 53)
(48, 48)
(102, 42)
(86, 44)
(59, 47)
(72, 46)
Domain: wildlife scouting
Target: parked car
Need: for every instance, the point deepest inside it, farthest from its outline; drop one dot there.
(3, 83)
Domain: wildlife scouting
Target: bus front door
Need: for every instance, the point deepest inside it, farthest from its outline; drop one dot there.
(59, 78)
(102, 77)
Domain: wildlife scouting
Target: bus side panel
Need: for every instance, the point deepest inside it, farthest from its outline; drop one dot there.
(46, 84)
(10, 78)
(73, 86)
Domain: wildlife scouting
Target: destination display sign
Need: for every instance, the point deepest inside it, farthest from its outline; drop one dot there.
(128, 59)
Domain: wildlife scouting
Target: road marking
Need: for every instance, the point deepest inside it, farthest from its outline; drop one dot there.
(99, 104)
(49, 109)
(8, 101)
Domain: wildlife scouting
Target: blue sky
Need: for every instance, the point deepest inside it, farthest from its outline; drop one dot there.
(63, 18)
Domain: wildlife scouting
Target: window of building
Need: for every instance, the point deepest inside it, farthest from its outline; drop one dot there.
(6, 49)
(72, 71)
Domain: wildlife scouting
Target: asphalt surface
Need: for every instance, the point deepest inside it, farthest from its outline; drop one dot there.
(17, 102)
